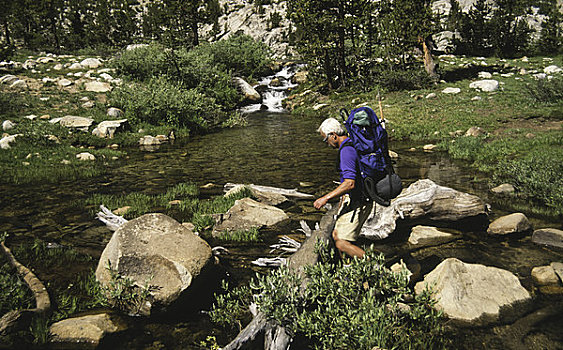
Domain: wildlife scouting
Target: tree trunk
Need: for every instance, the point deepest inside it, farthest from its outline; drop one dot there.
(275, 337)
(429, 64)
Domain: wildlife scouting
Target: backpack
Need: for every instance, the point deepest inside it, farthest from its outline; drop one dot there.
(370, 140)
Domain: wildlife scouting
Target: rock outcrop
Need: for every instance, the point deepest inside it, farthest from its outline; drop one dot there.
(551, 237)
(474, 294)
(155, 249)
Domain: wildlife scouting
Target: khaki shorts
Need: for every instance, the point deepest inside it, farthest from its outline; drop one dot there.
(351, 218)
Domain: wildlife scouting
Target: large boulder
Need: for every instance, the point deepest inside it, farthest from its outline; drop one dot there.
(487, 85)
(473, 294)
(423, 199)
(250, 94)
(85, 330)
(157, 250)
(551, 237)
(108, 128)
(248, 213)
(513, 223)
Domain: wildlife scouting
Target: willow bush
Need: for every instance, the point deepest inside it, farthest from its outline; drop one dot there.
(357, 306)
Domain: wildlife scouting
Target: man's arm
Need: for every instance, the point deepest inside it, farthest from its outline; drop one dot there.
(346, 186)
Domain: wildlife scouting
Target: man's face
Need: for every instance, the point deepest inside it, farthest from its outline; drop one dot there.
(330, 139)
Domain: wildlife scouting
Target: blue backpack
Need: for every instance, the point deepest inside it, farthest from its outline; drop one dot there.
(370, 140)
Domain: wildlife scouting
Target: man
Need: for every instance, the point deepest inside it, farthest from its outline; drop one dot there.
(354, 209)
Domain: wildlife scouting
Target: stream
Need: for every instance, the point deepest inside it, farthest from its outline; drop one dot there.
(275, 149)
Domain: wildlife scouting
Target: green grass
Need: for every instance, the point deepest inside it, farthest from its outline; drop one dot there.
(251, 235)
(189, 208)
(521, 106)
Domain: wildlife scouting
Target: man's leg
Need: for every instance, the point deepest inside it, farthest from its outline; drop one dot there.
(344, 246)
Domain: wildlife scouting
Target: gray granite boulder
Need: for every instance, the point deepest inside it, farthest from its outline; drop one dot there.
(473, 294)
(513, 223)
(249, 93)
(91, 63)
(548, 236)
(115, 112)
(247, 213)
(544, 275)
(155, 251)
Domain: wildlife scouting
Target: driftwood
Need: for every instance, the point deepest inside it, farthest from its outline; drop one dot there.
(18, 319)
(112, 221)
(275, 337)
(422, 199)
(283, 191)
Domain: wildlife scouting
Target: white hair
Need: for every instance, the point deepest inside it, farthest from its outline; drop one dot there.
(331, 126)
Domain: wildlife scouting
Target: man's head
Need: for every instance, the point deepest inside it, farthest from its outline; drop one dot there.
(330, 131)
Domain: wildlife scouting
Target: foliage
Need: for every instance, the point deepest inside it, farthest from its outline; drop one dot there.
(162, 102)
(495, 29)
(551, 35)
(251, 235)
(124, 294)
(547, 90)
(342, 39)
(357, 306)
(15, 293)
(410, 79)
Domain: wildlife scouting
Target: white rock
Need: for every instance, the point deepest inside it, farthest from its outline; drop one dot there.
(485, 75)
(451, 90)
(540, 76)
(106, 77)
(91, 63)
(64, 82)
(6, 140)
(83, 331)
(31, 117)
(319, 106)
(115, 112)
(8, 79)
(431, 95)
(475, 131)
(476, 98)
(552, 69)
(485, 85)
(544, 275)
(58, 66)
(19, 85)
(85, 156)
(429, 147)
(8, 125)
(135, 46)
(75, 66)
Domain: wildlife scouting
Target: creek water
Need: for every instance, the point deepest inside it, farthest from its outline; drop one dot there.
(274, 149)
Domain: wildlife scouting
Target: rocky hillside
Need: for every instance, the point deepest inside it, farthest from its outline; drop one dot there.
(268, 24)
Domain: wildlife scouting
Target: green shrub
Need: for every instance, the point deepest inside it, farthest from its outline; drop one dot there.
(15, 293)
(143, 63)
(343, 307)
(162, 102)
(547, 90)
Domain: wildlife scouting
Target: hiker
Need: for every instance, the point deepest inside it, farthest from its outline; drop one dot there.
(353, 208)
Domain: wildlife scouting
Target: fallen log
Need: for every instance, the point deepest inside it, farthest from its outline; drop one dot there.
(275, 336)
(18, 319)
(268, 189)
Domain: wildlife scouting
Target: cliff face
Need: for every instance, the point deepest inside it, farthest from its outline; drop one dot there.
(266, 23)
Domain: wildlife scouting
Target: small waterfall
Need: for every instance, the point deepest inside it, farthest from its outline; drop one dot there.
(273, 89)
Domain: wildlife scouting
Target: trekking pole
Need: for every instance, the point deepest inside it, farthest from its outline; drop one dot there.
(380, 109)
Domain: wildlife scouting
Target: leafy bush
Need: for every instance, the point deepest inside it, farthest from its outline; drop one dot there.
(161, 102)
(359, 306)
(143, 63)
(547, 90)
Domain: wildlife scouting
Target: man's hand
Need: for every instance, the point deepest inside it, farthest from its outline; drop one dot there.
(319, 203)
